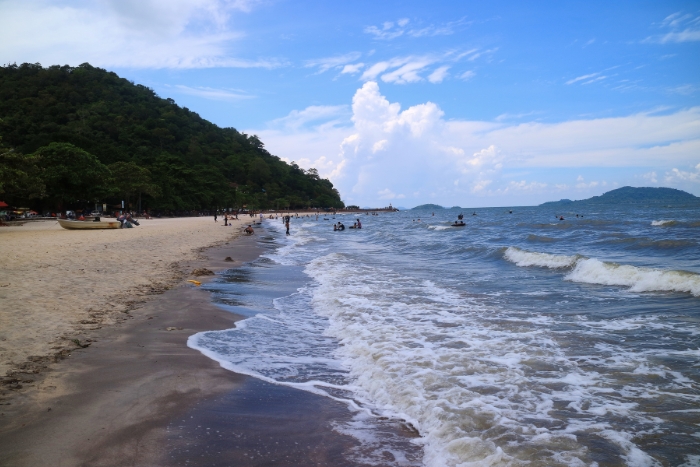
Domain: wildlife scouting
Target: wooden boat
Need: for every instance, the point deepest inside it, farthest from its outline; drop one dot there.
(86, 225)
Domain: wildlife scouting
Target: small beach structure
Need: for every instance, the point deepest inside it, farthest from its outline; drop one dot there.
(87, 225)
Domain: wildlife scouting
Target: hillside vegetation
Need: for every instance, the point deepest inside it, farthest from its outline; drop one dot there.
(77, 134)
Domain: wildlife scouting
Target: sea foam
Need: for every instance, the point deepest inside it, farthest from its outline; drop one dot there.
(526, 258)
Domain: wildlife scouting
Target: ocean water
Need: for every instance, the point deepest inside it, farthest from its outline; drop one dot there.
(517, 340)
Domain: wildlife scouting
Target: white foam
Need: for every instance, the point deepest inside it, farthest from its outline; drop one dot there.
(526, 258)
(638, 279)
(662, 222)
(594, 271)
(484, 386)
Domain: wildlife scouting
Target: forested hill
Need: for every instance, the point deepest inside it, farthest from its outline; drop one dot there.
(631, 195)
(85, 120)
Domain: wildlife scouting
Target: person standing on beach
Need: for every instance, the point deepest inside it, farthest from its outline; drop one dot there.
(215, 217)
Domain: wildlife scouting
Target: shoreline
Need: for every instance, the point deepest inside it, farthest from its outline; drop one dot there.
(138, 395)
(108, 403)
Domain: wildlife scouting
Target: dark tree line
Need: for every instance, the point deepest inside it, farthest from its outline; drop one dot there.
(83, 133)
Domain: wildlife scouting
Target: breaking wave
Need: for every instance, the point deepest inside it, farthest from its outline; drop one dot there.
(526, 258)
(662, 223)
(593, 271)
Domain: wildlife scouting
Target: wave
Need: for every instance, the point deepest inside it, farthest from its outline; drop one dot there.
(526, 258)
(638, 279)
(664, 223)
(593, 271)
(674, 223)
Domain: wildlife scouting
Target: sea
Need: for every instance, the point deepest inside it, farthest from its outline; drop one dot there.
(521, 339)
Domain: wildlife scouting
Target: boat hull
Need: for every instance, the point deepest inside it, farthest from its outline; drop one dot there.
(87, 225)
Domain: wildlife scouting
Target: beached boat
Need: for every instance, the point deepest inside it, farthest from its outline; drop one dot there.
(85, 225)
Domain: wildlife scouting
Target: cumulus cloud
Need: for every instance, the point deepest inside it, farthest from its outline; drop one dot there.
(676, 175)
(419, 152)
(124, 33)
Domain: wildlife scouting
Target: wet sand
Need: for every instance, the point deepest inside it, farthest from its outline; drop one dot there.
(138, 396)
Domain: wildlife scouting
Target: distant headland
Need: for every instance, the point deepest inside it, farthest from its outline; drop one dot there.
(429, 206)
(631, 195)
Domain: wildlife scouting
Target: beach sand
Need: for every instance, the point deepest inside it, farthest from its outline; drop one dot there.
(138, 396)
(57, 285)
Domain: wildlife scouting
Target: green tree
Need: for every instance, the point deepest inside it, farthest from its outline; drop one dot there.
(20, 174)
(193, 161)
(130, 179)
(71, 173)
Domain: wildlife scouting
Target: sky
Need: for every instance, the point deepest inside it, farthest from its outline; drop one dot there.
(469, 103)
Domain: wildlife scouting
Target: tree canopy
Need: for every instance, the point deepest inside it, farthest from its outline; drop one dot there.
(99, 125)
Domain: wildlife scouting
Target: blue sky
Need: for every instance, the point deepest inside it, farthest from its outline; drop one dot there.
(467, 103)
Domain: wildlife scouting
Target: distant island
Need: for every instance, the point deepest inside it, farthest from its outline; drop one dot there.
(631, 195)
(429, 206)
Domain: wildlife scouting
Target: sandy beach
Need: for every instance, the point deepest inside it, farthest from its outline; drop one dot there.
(58, 285)
(137, 395)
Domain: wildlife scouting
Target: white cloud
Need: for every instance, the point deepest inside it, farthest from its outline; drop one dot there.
(588, 78)
(230, 95)
(439, 74)
(467, 75)
(338, 61)
(585, 186)
(683, 28)
(388, 194)
(651, 176)
(676, 175)
(418, 150)
(403, 69)
(298, 118)
(124, 33)
(386, 32)
(390, 30)
(408, 69)
(408, 73)
(684, 89)
(352, 69)
(525, 186)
